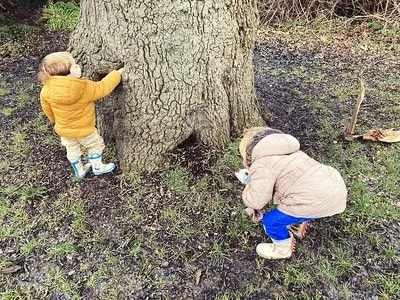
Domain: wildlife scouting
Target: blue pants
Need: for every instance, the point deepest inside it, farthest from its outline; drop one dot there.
(275, 224)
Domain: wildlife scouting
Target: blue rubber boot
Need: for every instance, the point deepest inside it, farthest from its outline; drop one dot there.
(80, 169)
(98, 167)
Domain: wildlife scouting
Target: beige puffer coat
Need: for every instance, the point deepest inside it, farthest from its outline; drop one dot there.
(299, 185)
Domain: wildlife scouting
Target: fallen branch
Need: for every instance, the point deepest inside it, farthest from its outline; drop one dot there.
(351, 128)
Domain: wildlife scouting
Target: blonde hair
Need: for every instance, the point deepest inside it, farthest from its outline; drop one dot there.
(250, 140)
(57, 63)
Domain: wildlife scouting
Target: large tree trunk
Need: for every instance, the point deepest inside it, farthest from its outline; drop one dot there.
(188, 72)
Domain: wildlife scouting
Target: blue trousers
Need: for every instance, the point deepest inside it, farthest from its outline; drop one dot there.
(275, 224)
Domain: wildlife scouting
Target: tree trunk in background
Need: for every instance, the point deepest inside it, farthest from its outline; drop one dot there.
(188, 72)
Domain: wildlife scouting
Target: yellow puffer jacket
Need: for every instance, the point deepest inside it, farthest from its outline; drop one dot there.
(70, 102)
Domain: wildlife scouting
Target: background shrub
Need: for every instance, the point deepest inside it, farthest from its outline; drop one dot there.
(275, 11)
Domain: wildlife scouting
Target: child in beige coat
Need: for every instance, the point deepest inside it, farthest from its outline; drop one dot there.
(302, 188)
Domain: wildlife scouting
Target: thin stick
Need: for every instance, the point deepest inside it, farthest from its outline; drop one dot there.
(360, 99)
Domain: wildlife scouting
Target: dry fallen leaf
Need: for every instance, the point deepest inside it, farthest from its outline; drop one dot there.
(382, 135)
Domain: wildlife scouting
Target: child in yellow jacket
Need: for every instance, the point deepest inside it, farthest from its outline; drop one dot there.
(69, 102)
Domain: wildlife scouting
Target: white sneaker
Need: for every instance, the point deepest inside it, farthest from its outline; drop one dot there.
(98, 167)
(277, 249)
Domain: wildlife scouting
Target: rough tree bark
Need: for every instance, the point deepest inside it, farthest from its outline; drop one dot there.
(188, 72)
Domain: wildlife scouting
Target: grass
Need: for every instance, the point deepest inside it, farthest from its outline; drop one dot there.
(327, 270)
(33, 192)
(15, 39)
(61, 15)
(388, 30)
(183, 224)
(62, 249)
(133, 178)
(4, 90)
(367, 175)
(7, 111)
(296, 275)
(390, 252)
(19, 145)
(15, 295)
(57, 278)
(28, 247)
(78, 212)
(389, 285)
(147, 235)
(177, 181)
(343, 93)
(135, 249)
(23, 100)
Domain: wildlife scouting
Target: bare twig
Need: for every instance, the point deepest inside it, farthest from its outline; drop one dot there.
(351, 128)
